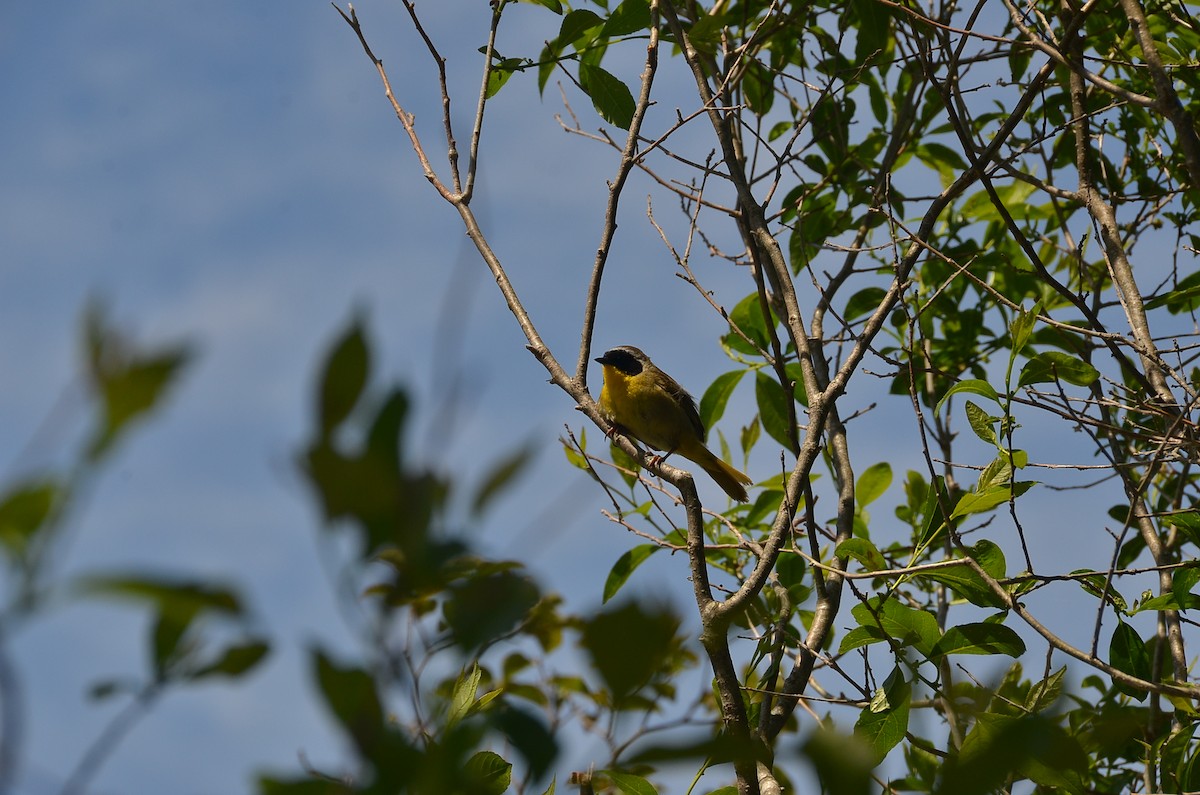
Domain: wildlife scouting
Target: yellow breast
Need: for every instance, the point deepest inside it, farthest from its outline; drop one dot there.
(643, 408)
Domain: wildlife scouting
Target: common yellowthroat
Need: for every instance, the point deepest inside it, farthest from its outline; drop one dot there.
(650, 405)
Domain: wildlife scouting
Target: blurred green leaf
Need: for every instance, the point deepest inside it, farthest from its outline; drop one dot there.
(501, 477)
(24, 511)
(129, 382)
(351, 696)
(343, 378)
(843, 763)
(169, 595)
(529, 735)
(234, 661)
(628, 645)
(482, 609)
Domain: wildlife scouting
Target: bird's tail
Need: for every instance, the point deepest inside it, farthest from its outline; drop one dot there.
(733, 481)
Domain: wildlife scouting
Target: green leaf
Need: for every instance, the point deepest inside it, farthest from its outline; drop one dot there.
(351, 696)
(947, 162)
(235, 661)
(625, 566)
(979, 206)
(1000, 746)
(909, 626)
(980, 638)
(128, 382)
(1128, 654)
(966, 582)
(1050, 366)
(758, 87)
(884, 722)
(773, 409)
(488, 773)
(632, 16)
(862, 550)
(176, 596)
(485, 607)
(1184, 298)
(627, 666)
(1187, 521)
(980, 502)
(747, 316)
(861, 636)
(611, 98)
(502, 475)
(575, 24)
(499, 74)
(630, 784)
(997, 473)
(864, 302)
(982, 423)
(973, 386)
(871, 42)
(528, 734)
(715, 398)
(1022, 328)
(1045, 693)
(873, 483)
(24, 511)
(343, 378)
(935, 518)
(462, 699)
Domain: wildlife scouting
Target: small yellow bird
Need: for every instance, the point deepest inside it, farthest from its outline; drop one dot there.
(646, 403)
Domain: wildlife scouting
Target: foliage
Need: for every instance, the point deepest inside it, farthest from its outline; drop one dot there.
(995, 228)
(199, 630)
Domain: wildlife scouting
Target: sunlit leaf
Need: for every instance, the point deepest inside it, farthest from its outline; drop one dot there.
(625, 566)
(1050, 366)
(884, 723)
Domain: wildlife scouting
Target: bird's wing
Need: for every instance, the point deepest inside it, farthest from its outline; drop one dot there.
(687, 403)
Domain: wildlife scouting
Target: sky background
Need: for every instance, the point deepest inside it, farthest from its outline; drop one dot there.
(231, 174)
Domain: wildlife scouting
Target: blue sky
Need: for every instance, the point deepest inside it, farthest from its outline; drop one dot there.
(230, 173)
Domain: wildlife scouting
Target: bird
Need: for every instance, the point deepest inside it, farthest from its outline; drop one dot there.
(642, 401)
